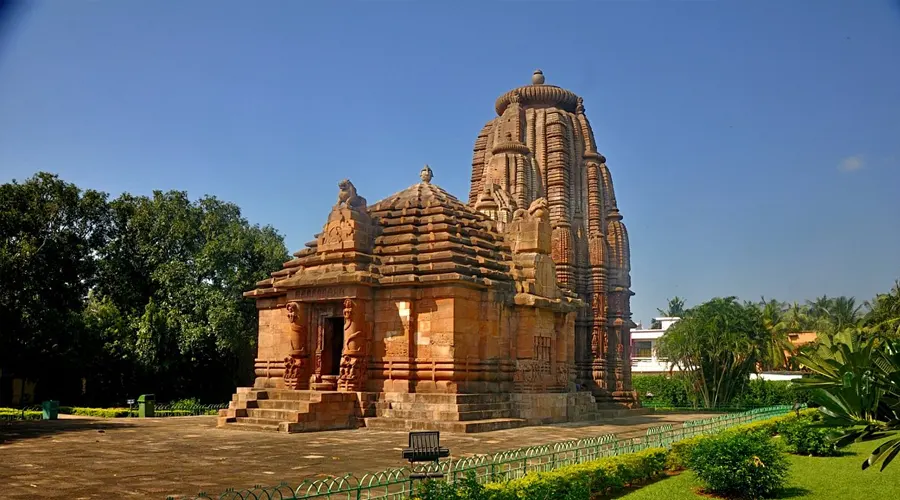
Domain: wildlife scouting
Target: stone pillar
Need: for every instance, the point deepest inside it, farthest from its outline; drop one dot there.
(356, 347)
(296, 364)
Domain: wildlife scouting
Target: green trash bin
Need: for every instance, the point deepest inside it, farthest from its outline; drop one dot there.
(50, 410)
(146, 405)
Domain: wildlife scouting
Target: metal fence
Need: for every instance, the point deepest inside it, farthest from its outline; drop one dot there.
(181, 410)
(397, 484)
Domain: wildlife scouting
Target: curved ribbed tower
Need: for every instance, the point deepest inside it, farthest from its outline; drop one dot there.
(541, 145)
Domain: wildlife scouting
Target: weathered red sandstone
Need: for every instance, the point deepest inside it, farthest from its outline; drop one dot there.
(421, 311)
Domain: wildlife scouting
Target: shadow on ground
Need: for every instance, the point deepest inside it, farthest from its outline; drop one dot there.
(11, 432)
(793, 492)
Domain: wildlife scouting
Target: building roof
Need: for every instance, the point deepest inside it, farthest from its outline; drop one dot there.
(428, 235)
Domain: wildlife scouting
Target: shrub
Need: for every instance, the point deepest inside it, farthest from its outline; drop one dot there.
(760, 393)
(465, 489)
(667, 391)
(739, 464)
(184, 404)
(95, 412)
(573, 482)
(581, 481)
(7, 414)
(803, 437)
(680, 452)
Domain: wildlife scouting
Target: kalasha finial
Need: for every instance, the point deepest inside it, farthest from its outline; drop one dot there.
(538, 77)
(426, 174)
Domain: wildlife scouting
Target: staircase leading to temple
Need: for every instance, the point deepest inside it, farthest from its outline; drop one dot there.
(289, 411)
(283, 410)
(444, 412)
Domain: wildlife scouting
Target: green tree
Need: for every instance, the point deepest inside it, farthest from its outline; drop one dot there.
(796, 318)
(170, 295)
(777, 345)
(883, 313)
(50, 232)
(674, 309)
(831, 315)
(717, 345)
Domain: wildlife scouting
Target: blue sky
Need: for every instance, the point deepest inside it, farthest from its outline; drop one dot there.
(755, 145)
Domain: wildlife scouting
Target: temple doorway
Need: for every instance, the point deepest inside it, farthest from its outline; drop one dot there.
(334, 345)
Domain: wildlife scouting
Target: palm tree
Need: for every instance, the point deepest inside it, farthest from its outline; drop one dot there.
(776, 345)
(883, 313)
(674, 309)
(796, 318)
(834, 314)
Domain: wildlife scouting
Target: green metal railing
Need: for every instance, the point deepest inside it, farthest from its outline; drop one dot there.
(397, 484)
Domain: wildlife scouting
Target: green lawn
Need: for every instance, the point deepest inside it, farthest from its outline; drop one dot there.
(835, 478)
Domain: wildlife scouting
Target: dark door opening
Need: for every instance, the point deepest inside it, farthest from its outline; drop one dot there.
(335, 345)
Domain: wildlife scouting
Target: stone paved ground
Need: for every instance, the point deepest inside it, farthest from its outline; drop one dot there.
(80, 458)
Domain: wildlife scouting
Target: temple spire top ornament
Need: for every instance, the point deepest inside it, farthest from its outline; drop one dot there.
(426, 174)
(538, 77)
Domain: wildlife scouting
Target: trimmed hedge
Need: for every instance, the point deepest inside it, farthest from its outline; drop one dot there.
(598, 477)
(572, 482)
(8, 414)
(96, 412)
(667, 391)
(672, 392)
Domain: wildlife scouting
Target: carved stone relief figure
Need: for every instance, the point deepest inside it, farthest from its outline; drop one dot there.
(295, 362)
(347, 197)
(353, 359)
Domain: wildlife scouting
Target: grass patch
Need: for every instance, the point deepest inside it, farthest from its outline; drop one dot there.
(837, 478)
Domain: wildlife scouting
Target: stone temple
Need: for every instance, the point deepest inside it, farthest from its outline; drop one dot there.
(421, 311)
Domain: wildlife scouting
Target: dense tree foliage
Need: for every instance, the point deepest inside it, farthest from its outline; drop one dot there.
(720, 342)
(716, 345)
(101, 300)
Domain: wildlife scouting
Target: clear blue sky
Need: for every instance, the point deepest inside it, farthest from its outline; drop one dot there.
(755, 145)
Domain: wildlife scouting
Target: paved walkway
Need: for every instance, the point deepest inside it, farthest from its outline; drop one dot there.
(88, 458)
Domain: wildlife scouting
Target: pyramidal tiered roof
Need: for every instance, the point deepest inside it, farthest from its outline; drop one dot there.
(422, 234)
(427, 235)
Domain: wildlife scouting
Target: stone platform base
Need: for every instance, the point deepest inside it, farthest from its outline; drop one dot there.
(284, 410)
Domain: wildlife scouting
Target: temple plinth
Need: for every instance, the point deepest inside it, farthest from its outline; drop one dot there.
(422, 311)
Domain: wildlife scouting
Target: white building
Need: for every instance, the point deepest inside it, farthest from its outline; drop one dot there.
(644, 356)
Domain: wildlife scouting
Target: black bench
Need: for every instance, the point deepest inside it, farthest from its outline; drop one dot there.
(425, 446)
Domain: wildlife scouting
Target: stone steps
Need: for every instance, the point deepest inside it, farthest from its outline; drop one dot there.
(259, 421)
(444, 415)
(485, 425)
(280, 404)
(245, 426)
(285, 410)
(279, 415)
(441, 398)
(394, 405)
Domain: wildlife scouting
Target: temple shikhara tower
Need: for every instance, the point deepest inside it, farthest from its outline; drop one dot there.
(424, 312)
